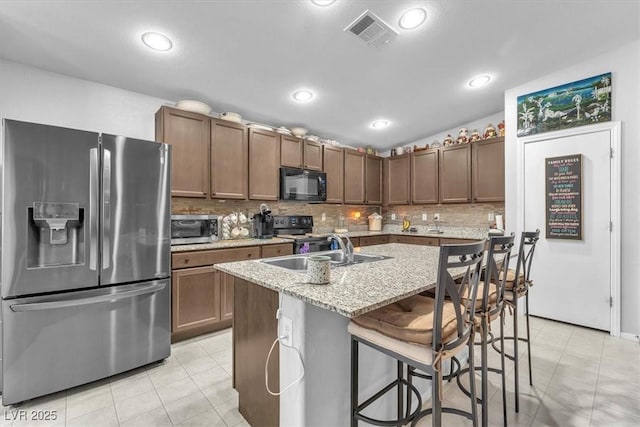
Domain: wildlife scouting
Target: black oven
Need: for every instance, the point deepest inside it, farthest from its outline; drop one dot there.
(303, 185)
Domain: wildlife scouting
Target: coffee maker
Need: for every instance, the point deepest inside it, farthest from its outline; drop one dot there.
(263, 223)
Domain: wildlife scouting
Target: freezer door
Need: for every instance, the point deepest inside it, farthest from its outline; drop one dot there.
(50, 209)
(135, 207)
(55, 342)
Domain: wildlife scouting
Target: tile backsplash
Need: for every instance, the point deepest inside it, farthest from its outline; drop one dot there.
(469, 215)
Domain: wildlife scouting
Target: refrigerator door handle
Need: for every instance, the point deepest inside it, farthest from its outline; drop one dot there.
(93, 208)
(76, 302)
(106, 209)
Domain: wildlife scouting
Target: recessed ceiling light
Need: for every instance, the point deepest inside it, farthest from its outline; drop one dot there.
(380, 124)
(157, 41)
(479, 81)
(323, 3)
(303, 95)
(412, 18)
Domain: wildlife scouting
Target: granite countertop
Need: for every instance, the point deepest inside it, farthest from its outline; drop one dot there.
(472, 233)
(355, 289)
(222, 244)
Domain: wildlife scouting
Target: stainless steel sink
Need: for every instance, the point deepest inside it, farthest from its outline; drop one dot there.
(299, 262)
(292, 263)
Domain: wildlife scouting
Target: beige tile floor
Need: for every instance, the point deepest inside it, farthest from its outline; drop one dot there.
(190, 388)
(581, 378)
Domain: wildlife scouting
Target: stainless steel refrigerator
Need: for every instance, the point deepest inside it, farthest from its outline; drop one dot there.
(85, 257)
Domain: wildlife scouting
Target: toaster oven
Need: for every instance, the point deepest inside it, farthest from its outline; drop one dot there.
(189, 229)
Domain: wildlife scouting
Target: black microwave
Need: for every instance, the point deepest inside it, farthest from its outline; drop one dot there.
(303, 185)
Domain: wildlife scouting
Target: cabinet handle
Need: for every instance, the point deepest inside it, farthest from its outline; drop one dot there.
(249, 255)
(186, 260)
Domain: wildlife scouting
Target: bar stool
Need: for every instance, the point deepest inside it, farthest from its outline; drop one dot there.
(490, 305)
(422, 332)
(516, 289)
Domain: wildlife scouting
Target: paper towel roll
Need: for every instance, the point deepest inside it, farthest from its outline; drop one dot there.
(499, 222)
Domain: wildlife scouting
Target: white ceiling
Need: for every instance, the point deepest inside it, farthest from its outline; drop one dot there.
(248, 56)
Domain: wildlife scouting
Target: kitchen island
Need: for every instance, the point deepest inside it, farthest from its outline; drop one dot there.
(320, 315)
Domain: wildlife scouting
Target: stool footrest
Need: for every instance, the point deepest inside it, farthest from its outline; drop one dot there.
(411, 388)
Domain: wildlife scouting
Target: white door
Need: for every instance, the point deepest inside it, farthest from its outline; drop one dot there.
(572, 278)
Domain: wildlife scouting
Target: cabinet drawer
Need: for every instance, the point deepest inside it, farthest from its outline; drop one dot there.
(217, 256)
(415, 240)
(373, 240)
(270, 251)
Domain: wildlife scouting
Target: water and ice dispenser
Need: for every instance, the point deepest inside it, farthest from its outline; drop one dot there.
(55, 234)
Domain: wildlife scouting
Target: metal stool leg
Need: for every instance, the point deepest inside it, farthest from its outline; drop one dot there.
(485, 373)
(354, 382)
(516, 359)
(400, 390)
(436, 415)
(528, 339)
(472, 382)
(504, 379)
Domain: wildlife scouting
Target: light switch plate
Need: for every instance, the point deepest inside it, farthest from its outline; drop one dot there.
(491, 216)
(324, 217)
(424, 216)
(436, 216)
(393, 217)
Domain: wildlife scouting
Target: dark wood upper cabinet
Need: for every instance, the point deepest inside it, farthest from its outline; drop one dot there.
(373, 185)
(397, 180)
(229, 160)
(354, 176)
(424, 177)
(334, 168)
(189, 137)
(312, 155)
(290, 151)
(487, 163)
(264, 165)
(455, 174)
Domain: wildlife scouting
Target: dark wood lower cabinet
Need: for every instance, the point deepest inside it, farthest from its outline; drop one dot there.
(255, 328)
(201, 296)
(373, 240)
(414, 240)
(195, 301)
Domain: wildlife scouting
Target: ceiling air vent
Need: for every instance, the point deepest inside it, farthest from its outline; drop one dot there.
(373, 30)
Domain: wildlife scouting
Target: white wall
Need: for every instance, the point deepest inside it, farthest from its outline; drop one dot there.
(33, 95)
(624, 64)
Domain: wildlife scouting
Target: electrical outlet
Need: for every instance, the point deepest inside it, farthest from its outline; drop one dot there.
(324, 217)
(286, 331)
(424, 216)
(393, 217)
(491, 217)
(436, 216)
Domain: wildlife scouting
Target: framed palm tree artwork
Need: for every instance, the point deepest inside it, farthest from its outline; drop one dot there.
(579, 103)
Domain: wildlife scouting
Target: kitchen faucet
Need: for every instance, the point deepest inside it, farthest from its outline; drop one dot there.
(347, 250)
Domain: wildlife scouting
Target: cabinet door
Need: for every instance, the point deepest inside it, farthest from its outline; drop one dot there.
(487, 162)
(226, 295)
(290, 151)
(334, 168)
(397, 176)
(312, 156)
(195, 298)
(353, 177)
(455, 174)
(189, 136)
(424, 177)
(373, 185)
(229, 160)
(264, 165)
